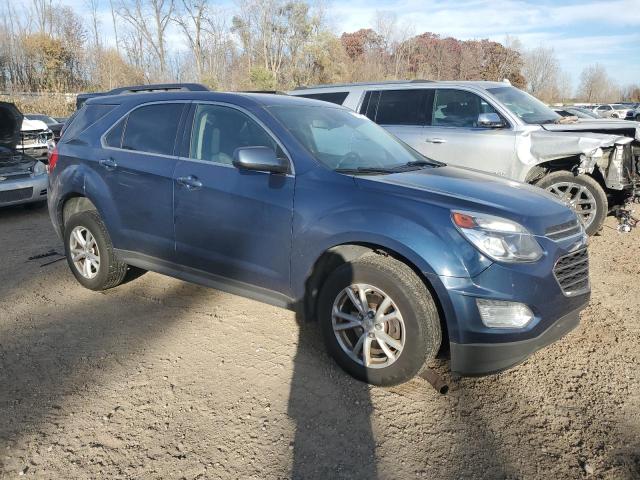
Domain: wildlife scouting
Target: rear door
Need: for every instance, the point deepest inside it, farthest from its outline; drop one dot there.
(401, 112)
(453, 136)
(137, 166)
(232, 223)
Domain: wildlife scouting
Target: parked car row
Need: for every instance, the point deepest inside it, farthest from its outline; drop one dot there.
(350, 207)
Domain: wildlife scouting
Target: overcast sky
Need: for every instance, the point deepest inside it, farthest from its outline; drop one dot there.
(580, 31)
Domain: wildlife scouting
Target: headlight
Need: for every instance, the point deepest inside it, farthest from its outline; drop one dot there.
(498, 238)
(39, 168)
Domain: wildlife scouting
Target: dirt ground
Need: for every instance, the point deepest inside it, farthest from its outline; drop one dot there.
(159, 378)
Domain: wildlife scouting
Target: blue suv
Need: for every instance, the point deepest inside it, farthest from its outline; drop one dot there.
(313, 207)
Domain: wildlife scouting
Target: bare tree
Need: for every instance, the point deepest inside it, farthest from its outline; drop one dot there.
(595, 84)
(137, 14)
(541, 69)
(191, 20)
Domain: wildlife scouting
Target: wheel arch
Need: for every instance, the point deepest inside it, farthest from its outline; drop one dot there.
(568, 163)
(337, 255)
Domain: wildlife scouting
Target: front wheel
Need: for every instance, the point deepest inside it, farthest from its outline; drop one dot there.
(379, 320)
(582, 194)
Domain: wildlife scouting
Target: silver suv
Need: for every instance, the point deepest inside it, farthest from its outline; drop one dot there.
(494, 127)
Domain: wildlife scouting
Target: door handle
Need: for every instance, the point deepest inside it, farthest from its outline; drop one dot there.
(190, 182)
(108, 164)
(436, 140)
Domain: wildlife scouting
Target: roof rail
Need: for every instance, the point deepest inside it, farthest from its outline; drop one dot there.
(160, 87)
(272, 92)
(157, 87)
(358, 84)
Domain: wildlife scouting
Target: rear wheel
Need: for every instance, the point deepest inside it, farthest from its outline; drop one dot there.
(582, 194)
(90, 253)
(379, 320)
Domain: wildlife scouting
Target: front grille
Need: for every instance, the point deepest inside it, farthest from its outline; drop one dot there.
(572, 272)
(563, 230)
(15, 195)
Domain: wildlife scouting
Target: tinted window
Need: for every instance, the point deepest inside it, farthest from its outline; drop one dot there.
(333, 97)
(84, 118)
(402, 107)
(114, 137)
(218, 131)
(458, 108)
(153, 128)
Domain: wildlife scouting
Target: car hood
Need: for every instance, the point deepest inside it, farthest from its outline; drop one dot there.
(10, 123)
(605, 126)
(33, 125)
(466, 189)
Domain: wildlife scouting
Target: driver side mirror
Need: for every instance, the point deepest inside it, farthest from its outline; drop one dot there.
(490, 120)
(262, 159)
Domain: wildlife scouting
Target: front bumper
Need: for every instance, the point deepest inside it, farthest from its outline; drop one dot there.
(474, 359)
(23, 190)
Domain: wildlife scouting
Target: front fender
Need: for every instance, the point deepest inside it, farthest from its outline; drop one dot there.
(422, 234)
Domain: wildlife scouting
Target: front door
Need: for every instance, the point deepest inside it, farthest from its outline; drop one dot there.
(232, 223)
(453, 136)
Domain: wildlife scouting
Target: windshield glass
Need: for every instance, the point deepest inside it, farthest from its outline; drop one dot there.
(527, 108)
(43, 118)
(580, 113)
(344, 140)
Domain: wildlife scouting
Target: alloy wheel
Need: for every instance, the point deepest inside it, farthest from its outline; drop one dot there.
(368, 325)
(578, 198)
(84, 252)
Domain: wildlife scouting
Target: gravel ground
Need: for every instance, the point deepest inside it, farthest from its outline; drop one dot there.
(159, 378)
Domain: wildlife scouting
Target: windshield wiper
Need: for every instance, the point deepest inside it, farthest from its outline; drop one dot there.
(366, 170)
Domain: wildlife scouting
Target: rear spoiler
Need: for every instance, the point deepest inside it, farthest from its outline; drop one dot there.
(158, 87)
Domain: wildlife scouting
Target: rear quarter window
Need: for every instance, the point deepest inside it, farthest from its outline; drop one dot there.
(332, 97)
(83, 119)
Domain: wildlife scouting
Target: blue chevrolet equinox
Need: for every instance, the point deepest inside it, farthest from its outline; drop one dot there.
(312, 207)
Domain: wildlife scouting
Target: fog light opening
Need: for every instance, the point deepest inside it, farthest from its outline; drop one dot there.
(501, 314)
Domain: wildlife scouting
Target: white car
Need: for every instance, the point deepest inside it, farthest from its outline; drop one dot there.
(611, 110)
(36, 139)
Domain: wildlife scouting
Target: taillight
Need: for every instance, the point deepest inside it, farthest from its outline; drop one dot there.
(53, 158)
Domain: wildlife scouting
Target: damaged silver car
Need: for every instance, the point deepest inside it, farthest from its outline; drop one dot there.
(592, 165)
(23, 179)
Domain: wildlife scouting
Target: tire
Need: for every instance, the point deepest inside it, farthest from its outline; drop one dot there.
(417, 327)
(110, 272)
(638, 117)
(558, 183)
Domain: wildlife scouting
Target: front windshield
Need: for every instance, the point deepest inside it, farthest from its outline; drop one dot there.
(527, 108)
(582, 113)
(344, 140)
(43, 118)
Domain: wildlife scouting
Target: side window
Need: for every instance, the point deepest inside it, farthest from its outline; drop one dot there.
(218, 131)
(333, 97)
(402, 107)
(153, 128)
(114, 137)
(458, 108)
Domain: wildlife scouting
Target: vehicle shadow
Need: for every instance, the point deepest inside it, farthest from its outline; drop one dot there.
(332, 414)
